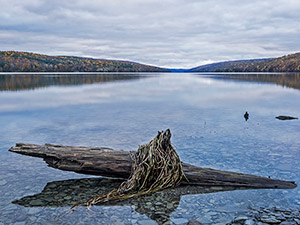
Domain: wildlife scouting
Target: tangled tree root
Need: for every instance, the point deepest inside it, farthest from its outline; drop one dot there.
(156, 166)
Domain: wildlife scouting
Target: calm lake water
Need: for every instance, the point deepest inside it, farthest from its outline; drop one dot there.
(204, 113)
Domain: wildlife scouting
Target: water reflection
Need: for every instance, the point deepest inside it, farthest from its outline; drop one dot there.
(205, 113)
(15, 82)
(291, 80)
(192, 90)
(157, 206)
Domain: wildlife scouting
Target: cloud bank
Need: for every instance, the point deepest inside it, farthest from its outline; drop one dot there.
(170, 33)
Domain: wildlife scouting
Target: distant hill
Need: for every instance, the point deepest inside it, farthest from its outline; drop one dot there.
(13, 61)
(289, 63)
(226, 66)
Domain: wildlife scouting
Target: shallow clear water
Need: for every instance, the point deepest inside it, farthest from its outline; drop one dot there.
(122, 111)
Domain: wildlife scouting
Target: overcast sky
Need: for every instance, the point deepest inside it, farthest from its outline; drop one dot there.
(167, 33)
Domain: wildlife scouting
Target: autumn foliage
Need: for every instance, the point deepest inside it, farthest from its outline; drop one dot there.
(289, 63)
(12, 61)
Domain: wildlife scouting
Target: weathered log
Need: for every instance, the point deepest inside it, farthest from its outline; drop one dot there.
(112, 163)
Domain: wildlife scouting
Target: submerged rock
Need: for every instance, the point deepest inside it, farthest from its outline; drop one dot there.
(269, 216)
(240, 219)
(269, 219)
(2, 182)
(36, 202)
(179, 221)
(194, 222)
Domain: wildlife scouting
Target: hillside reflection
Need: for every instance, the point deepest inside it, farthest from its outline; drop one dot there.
(15, 82)
(290, 80)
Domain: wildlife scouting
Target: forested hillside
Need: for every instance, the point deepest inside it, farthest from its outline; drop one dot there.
(12, 61)
(289, 63)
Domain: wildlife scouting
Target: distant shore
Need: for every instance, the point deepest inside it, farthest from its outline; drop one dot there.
(14, 61)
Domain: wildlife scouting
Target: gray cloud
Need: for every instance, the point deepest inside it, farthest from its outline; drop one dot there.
(173, 33)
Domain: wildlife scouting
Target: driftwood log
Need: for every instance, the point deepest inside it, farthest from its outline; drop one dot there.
(112, 163)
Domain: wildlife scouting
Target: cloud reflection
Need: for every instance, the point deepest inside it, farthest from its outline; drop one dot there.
(185, 89)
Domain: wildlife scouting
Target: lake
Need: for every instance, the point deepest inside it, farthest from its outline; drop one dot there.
(205, 113)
